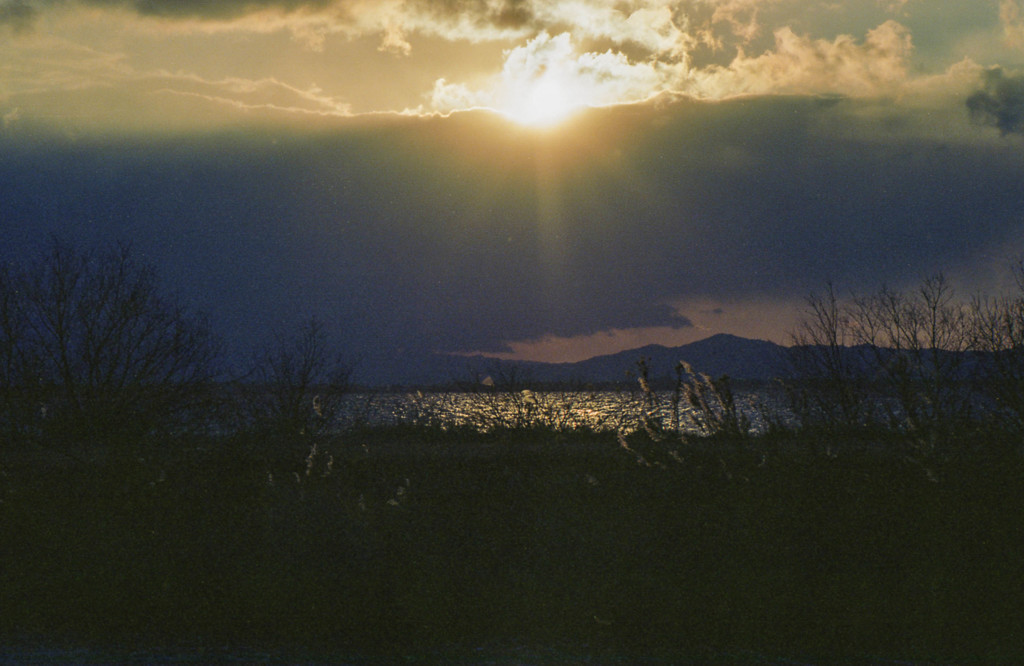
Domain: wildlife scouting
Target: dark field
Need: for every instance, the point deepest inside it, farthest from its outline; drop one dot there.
(554, 547)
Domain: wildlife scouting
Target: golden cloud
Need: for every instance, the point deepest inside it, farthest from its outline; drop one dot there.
(1013, 24)
(585, 79)
(595, 52)
(800, 64)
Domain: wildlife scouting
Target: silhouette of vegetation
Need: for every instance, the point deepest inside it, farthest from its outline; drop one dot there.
(423, 543)
(833, 394)
(922, 368)
(92, 350)
(879, 521)
(296, 386)
(998, 335)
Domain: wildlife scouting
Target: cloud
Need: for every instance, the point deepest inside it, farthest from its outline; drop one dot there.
(1013, 24)
(466, 19)
(587, 79)
(16, 14)
(653, 26)
(49, 64)
(211, 9)
(999, 102)
(558, 349)
(446, 233)
(800, 64)
(894, 6)
(792, 142)
(51, 79)
(447, 97)
(394, 40)
(876, 66)
(247, 94)
(607, 52)
(741, 17)
(110, 69)
(500, 15)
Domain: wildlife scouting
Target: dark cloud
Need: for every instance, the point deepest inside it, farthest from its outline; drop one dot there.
(215, 9)
(462, 234)
(17, 14)
(505, 14)
(21, 15)
(999, 102)
(512, 14)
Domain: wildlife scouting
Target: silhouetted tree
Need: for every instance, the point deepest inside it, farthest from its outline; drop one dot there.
(901, 355)
(998, 334)
(918, 341)
(93, 350)
(831, 391)
(296, 385)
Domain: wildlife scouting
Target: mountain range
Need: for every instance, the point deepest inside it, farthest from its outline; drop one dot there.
(722, 354)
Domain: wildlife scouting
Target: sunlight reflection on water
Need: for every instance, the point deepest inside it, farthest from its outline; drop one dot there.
(562, 410)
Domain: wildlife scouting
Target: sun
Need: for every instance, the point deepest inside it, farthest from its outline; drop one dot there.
(543, 83)
(544, 101)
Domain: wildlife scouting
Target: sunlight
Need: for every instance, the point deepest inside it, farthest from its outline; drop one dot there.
(543, 102)
(542, 84)
(548, 80)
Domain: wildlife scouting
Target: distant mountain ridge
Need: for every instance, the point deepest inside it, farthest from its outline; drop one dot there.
(721, 354)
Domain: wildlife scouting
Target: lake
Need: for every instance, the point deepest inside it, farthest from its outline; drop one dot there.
(594, 410)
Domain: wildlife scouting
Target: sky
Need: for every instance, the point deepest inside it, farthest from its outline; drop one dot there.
(526, 179)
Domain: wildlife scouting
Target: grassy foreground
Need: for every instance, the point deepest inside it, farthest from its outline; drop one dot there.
(413, 542)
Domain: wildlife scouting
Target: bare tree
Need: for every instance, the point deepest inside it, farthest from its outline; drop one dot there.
(919, 341)
(90, 340)
(901, 355)
(297, 385)
(831, 390)
(998, 337)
